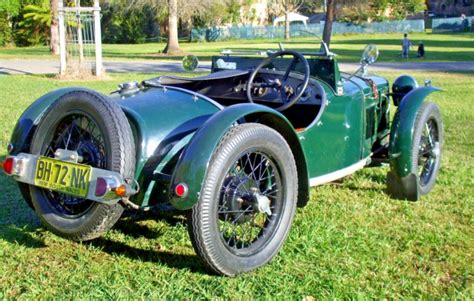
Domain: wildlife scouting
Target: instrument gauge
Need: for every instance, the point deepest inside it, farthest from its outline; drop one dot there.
(307, 93)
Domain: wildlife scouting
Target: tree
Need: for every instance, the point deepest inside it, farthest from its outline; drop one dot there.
(247, 13)
(314, 6)
(368, 10)
(232, 11)
(330, 13)
(278, 7)
(397, 9)
(377, 10)
(172, 45)
(54, 27)
(34, 27)
(8, 9)
(174, 10)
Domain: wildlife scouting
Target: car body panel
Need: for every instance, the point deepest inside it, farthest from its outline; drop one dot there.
(334, 142)
(24, 128)
(338, 140)
(193, 163)
(161, 118)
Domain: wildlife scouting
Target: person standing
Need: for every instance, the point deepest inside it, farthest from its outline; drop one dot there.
(421, 50)
(464, 23)
(405, 46)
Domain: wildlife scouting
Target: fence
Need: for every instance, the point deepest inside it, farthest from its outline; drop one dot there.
(80, 40)
(271, 32)
(451, 24)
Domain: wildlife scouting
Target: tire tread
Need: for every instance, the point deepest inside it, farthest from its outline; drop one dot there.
(121, 138)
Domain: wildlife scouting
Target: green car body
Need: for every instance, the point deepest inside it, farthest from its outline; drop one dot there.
(176, 132)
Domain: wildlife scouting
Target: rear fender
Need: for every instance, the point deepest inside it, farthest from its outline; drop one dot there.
(401, 180)
(31, 117)
(193, 162)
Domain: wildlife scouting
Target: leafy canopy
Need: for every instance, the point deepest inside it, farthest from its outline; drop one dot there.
(10, 7)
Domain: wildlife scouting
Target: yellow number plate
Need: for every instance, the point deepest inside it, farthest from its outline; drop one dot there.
(66, 177)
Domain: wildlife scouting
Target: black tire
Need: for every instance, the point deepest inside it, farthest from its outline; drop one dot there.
(231, 195)
(99, 131)
(426, 151)
(25, 193)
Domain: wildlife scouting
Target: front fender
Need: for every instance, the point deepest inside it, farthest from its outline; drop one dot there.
(24, 128)
(192, 165)
(402, 181)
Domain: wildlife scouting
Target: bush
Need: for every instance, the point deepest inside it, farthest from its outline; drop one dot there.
(122, 24)
(5, 30)
(34, 27)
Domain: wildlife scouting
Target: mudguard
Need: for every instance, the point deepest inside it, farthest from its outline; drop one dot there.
(192, 165)
(401, 181)
(24, 128)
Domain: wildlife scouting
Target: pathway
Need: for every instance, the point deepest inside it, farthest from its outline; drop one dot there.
(37, 66)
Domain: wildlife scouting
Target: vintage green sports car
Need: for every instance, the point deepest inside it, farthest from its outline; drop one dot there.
(237, 149)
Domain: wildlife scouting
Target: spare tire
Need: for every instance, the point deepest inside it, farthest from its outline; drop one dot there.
(95, 127)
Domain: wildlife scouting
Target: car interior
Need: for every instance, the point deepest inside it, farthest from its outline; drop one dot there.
(229, 77)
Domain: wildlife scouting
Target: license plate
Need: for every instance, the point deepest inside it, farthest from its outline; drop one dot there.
(61, 176)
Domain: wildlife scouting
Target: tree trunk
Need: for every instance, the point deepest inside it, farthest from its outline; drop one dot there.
(54, 42)
(329, 19)
(172, 47)
(287, 26)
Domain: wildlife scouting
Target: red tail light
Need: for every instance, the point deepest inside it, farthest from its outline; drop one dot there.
(8, 165)
(181, 190)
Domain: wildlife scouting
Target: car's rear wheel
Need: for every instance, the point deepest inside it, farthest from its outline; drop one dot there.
(247, 201)
(98, 130)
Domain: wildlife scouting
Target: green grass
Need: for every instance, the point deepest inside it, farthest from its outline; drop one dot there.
(439, 47)
(351, 241)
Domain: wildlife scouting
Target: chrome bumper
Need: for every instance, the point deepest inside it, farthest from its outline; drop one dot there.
(23, 166)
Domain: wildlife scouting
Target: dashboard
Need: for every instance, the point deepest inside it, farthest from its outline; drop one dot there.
(266, 90)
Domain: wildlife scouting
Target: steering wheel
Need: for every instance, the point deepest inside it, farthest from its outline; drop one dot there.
(287, 95)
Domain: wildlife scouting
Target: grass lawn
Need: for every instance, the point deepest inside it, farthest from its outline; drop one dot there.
(439, 47)
(351, 241)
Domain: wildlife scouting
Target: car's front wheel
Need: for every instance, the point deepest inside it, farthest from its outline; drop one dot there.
(425, 152)
(427, 146)
(247, 202)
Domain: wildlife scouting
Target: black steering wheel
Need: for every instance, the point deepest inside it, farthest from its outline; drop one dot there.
(287, 94)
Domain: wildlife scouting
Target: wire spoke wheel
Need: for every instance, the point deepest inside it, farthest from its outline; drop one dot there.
(76, 132)
(428, 151)
(425, 152)
(97, 129)
(247, 201)
(250, 202)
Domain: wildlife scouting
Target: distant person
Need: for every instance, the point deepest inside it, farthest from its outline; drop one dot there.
(421, 50)
(405, 46)
(464, 23)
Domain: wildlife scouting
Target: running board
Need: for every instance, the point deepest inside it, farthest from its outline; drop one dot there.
(341, 173)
